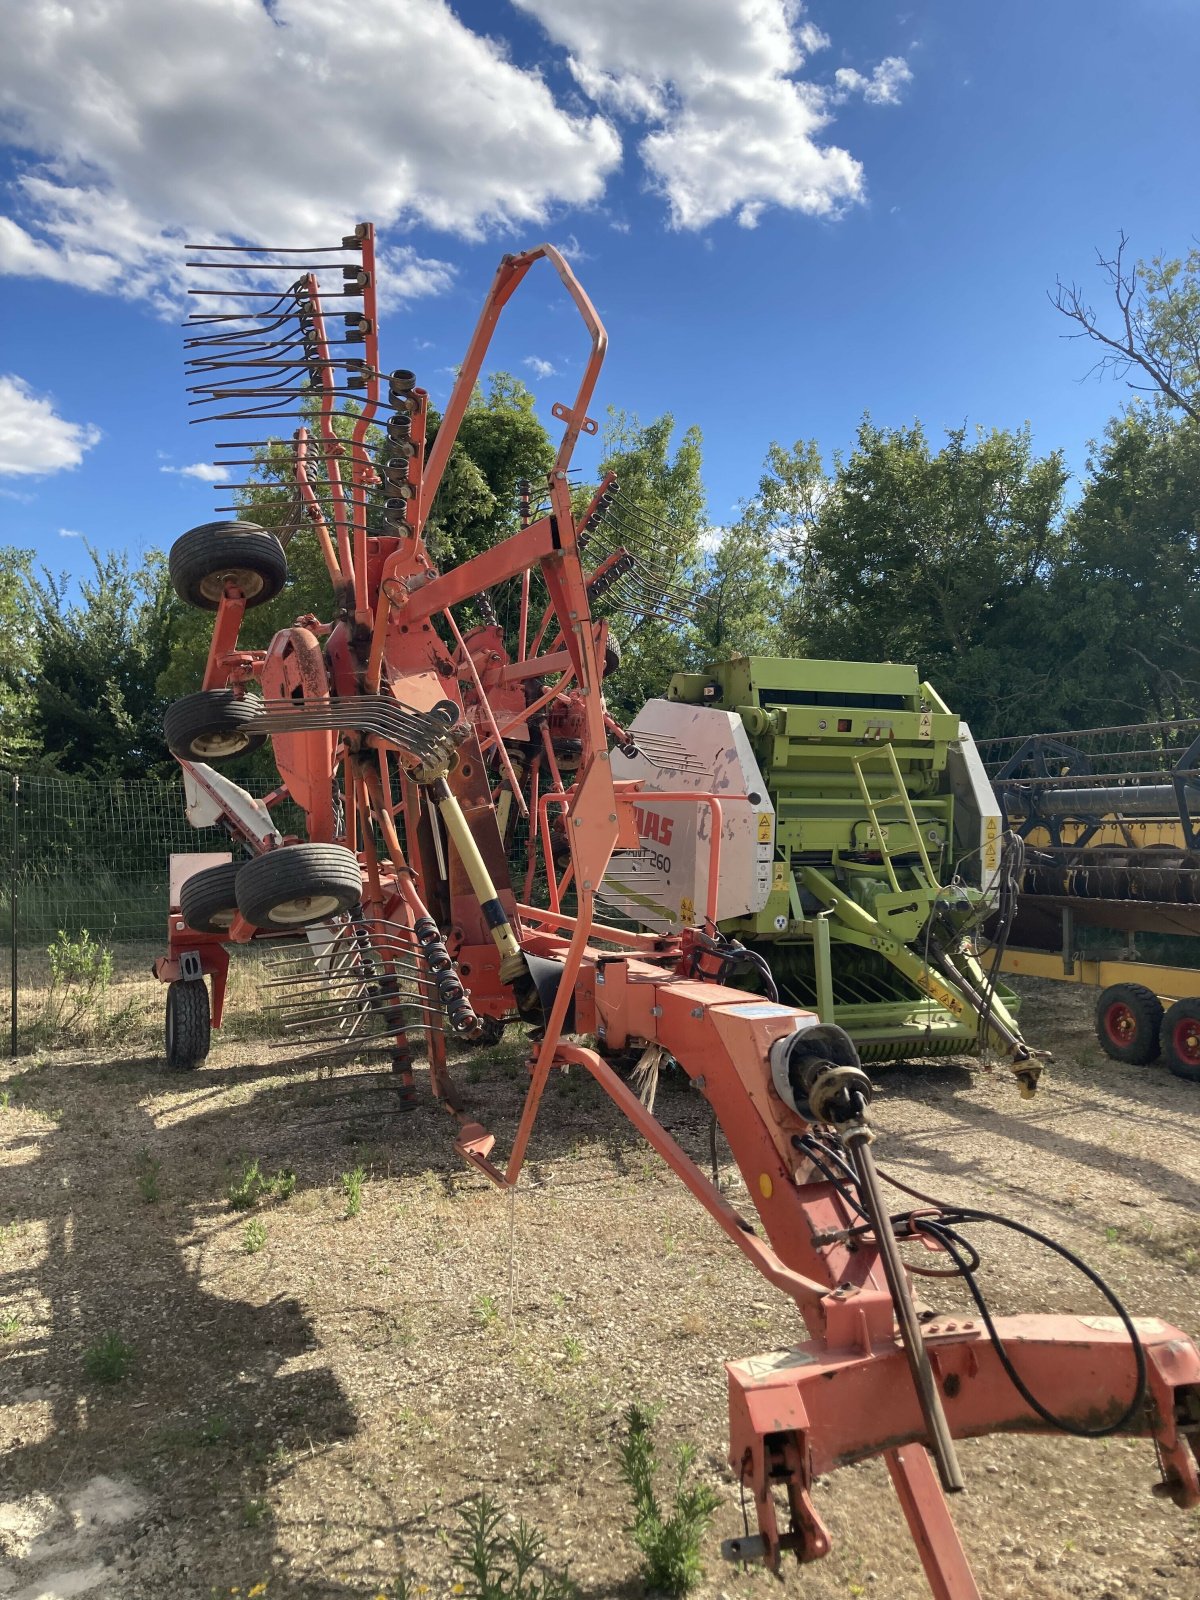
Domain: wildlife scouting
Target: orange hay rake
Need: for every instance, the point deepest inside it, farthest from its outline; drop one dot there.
(389, 726)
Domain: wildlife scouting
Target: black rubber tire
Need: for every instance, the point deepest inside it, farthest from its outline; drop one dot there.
(205, 559)
(612, 655)
(1128, 1020)
(188, 1024)
(1181, 1039)
(213, 725)
(298, 884)
(208, 900)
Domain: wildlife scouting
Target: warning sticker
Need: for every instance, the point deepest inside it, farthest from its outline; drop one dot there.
(764, 826)
(687, 911)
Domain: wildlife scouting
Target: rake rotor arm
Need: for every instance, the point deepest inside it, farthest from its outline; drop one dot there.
(509, 276)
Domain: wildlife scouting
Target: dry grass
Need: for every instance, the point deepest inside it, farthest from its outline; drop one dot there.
(311, 1413)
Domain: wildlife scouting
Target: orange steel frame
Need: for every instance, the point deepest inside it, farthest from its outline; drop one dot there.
(843, 1392)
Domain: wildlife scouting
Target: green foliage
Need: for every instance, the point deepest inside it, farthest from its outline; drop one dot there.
(664, 493)
(254, 1236)
(504, 1563)
(18, 659)
(108, 1360)
(75, 1001)
(148, 1169)
(670, 1545)
(500, 441)
(97, 710)
(352, 1188)
(252, 1185)
(939, 558)
(1125, 606)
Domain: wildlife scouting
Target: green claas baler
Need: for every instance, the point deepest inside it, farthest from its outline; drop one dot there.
(862, 848)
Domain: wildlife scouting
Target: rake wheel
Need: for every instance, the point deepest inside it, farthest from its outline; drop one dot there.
(301, 883)
(213, 725)
(208, 900)
(187, 1025)
(205, 560)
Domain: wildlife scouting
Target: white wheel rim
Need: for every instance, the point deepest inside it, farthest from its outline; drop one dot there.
(214, 586)
(220, 744)
(305, 908)
(223, 919)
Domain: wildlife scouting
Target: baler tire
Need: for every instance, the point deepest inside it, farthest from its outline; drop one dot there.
(208, 899)
(1181, 1040)
(205, 559)
(213, 725)
(1129, 1018)
(188, 1024)
(290, 887)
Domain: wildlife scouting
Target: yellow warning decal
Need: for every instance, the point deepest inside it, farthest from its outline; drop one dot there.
(687, 911)
(991, 828)
(938, 991)
(779, 878)
(764, 827)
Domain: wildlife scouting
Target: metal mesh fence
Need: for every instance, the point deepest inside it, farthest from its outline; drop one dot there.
(84, 870)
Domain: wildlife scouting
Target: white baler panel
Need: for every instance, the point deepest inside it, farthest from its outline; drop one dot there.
(978, 824)
(698, 749)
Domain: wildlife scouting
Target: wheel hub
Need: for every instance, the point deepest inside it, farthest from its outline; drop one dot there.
(220, 744)
(1121, 1023)
(305, 908)
(213, 587)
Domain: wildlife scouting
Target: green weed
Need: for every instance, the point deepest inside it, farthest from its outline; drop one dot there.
(254, 1237)
(215, 1429)
(670, 1545)
(255, 1513)
(504, 1562)
(148, 1169)
(486, 1310)
(108, 1360)
(352, 1188)
(252, 1185)
(10, 1325)
(574, 1349)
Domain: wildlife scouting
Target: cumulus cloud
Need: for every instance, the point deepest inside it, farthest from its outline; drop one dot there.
(34, 439)
(225, 119)
(882, 88)
(69, 533)
(540, 368)
(732, 128)
(205, 471)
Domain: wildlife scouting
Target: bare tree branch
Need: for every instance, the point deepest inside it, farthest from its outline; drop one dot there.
(1131, 348)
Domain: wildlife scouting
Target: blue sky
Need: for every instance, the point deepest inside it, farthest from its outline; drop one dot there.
(785, 215)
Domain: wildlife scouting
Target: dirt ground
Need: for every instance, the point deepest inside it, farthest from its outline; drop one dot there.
(309, 1401)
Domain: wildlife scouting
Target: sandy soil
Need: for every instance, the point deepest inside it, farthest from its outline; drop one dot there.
(309, 1415)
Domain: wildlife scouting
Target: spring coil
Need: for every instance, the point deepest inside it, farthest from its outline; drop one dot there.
(453, 996)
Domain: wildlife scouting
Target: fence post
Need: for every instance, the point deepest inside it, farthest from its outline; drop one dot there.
(12, 911)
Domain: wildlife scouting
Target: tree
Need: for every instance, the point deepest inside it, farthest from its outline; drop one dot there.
(18, 659)
(1156, 334)
(658, 515)
(1125, 602)
(97, 710)
(939, 559)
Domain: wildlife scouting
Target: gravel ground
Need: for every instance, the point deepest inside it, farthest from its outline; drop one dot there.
(308, 1403)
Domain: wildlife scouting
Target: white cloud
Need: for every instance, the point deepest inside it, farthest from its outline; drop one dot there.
(152, 123)
(733, 129)
(205, 471)
(540, 368)
(69, 533)
(882, 88)
(33, 437)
